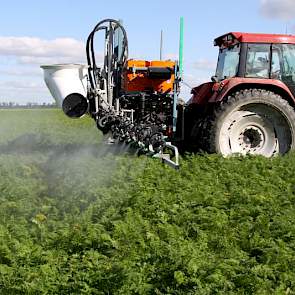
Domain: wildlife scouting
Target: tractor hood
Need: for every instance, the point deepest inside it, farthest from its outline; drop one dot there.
(201, 93)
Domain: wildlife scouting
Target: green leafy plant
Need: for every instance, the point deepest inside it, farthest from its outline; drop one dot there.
(77, 219)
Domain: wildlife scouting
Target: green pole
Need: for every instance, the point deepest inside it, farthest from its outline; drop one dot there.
(181, 47)
(178, 75)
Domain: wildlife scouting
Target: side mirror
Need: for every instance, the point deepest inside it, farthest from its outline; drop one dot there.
(214, 79)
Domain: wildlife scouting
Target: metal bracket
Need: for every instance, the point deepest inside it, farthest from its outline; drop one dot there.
(166, 157)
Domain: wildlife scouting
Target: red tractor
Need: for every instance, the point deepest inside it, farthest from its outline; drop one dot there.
(248, 108)
(249, 105)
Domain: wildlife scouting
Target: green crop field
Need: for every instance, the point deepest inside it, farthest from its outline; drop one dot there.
(75, 218)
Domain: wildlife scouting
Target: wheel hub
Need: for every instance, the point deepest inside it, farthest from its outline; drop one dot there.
(251, 138)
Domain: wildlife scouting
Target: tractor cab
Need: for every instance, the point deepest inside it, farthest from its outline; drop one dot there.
(258, 56)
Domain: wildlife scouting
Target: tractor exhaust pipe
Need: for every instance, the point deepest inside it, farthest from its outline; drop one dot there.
(67, 84)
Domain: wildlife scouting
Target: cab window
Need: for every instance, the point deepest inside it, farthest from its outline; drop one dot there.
(258, 61)
(288, 59)
(228, 62)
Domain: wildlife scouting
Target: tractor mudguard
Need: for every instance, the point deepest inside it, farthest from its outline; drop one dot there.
(215, 92)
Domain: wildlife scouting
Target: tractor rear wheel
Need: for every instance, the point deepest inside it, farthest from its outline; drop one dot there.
(255, 121)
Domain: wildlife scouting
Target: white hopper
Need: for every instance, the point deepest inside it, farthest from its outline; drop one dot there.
(65, 79)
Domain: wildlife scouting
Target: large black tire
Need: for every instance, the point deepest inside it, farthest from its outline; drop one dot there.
(253, 121)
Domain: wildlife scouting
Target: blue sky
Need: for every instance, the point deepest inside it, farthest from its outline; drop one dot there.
(35, 32)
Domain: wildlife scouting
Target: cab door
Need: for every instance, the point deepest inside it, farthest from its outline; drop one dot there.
(283, 64)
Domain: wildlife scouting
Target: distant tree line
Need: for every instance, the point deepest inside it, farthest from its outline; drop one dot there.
(28, 105)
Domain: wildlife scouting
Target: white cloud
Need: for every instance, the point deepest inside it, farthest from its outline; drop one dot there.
(36, 51)
(22, 57)
(278, 9)
(18, 71)
(30, 46)
(204, 65)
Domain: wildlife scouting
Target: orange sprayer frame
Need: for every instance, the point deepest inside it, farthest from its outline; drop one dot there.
(135, 78)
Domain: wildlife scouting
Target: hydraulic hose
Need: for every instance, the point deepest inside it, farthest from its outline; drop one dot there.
(109, 26)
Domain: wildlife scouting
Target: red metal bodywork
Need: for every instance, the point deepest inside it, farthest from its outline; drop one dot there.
(264, 38)
(213, 92)
(239, 37)
(202, 93)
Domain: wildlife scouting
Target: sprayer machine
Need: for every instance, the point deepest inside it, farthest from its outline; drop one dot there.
(135, 101)
(246, 108)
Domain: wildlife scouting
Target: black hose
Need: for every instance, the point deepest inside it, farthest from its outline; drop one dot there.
(90, 52)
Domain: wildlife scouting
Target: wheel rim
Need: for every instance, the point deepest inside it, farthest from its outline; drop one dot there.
(257, 129)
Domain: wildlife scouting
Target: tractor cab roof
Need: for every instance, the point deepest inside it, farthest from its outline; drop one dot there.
(233, 38)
